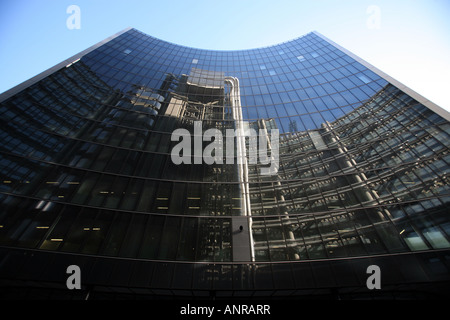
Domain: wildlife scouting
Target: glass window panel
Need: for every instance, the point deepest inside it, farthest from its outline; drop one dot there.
(96, 232)
(57, 235)
(413, 239)
(116, 234)
(436, 238)
(133, 238)
(169, 238)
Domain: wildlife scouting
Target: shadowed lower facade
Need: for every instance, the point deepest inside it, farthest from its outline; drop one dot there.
(360, 176)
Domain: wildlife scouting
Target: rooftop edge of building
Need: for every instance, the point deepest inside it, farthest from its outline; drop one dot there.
(421, 99)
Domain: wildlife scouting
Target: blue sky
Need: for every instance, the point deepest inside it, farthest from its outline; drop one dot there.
(409, 40)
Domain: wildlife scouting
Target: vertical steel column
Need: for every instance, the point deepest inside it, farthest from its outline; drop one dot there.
(241, 232)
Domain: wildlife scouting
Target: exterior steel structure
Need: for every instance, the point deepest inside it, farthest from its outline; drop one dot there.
(87, 177)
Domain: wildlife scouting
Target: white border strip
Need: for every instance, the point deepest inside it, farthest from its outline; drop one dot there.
(14, 90)
(427, 103)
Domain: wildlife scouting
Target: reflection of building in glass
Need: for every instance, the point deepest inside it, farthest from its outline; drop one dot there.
(87, 176)
(329, 173)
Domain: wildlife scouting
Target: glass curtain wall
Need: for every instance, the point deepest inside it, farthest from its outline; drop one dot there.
(86, 164)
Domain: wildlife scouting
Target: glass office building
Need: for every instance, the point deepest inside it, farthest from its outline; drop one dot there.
(88, 176)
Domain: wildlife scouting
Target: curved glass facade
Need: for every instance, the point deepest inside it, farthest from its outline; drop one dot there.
(358, 175)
